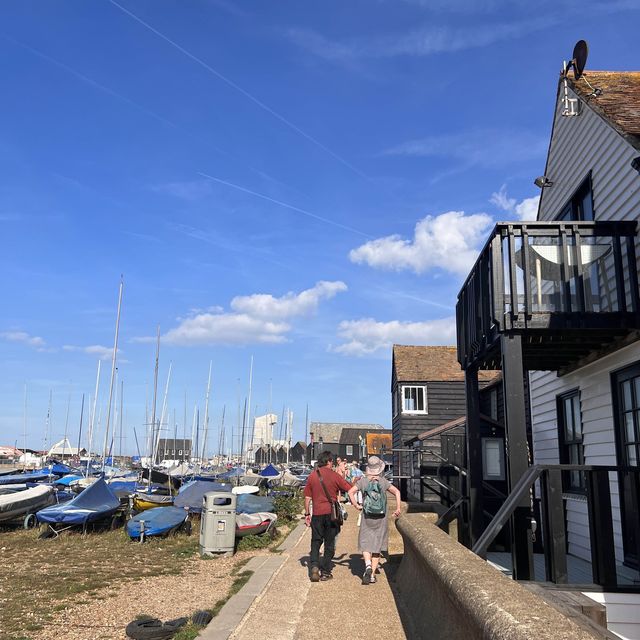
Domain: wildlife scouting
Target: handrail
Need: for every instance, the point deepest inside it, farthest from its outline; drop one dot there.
(506, 510)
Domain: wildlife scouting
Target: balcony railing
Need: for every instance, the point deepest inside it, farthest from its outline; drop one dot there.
(562, 285)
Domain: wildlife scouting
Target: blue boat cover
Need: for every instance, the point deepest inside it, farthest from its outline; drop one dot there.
(59, 469)
(65, 481)
(125, 487)
(95, 502)
(19, 478)
(250, 503)
(269, 471)
(157, 521)
(191, 497)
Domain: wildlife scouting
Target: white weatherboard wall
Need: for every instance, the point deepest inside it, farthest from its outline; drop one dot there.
(580, 145)
(623, 613)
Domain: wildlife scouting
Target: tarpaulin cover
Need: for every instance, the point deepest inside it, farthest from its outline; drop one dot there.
(270, 471)
(191, 497)
(157, 521)
(254, 523)
(236, 472)
(95, 502)
(65, 481)
(125, 487)
(59, 469)
(247, 503)
(19, 478)
(28, 501)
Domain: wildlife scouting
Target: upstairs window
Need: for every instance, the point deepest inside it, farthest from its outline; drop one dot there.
(570, 439)
(414, 399)
(580, 206)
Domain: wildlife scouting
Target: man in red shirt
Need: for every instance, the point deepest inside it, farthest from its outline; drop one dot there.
(323, 530)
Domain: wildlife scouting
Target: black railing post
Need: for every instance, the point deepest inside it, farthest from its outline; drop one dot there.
(474, 520)
(518, 459)
(555, 540)
(603, 557)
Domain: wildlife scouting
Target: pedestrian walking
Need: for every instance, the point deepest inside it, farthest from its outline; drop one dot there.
(373, 537)
(322, 491)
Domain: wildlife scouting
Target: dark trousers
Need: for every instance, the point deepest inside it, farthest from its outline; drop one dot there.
(323, 531)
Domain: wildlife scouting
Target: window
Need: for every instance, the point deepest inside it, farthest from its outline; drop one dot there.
(493, 458)
(414, 400)
(580, 206)
(570, 439)
(348, 450)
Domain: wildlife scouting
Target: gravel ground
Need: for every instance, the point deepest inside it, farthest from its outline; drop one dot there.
(166, 597)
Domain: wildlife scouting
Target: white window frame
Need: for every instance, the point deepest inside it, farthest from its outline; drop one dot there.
(499, 446)
(424, 394)
(348, 450)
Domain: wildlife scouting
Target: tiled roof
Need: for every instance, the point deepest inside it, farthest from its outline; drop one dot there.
(330, 431)
(619, 102)
(430, 364)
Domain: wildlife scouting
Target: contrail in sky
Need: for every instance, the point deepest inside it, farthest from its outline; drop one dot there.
(238, 88)
(285, 204)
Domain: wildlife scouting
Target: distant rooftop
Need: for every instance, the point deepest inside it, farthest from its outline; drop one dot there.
(330, 431)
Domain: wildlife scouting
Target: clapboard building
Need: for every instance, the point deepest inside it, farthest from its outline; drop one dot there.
(427, 391)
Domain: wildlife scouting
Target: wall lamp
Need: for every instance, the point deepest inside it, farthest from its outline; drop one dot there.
(542, 182)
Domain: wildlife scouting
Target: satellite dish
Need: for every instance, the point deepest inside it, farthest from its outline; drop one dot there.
(579, 60)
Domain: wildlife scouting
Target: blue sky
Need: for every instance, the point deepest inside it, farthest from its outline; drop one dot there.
(304, 183)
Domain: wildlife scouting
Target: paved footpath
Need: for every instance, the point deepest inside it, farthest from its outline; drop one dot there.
(293, 608)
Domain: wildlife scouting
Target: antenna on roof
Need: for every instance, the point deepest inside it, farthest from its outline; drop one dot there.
(577, 63)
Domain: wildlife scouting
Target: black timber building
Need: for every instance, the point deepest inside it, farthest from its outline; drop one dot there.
(427, 391)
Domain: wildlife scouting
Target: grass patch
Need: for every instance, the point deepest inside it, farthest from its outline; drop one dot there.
(73, 568)
(188, 632)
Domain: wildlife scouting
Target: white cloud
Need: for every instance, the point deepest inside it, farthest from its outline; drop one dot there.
(255, 319)
(264, 305)
(36, 342)
(367, 336)
(449, 241)
(527, 209)
(103, 353)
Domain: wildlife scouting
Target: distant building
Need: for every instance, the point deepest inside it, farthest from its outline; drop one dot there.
(263, 429)
(63, 449)
(325, 436)
(174, 449)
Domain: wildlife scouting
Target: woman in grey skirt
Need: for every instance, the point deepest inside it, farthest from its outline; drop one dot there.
(374, 529)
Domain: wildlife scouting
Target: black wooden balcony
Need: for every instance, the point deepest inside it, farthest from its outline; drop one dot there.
(569, 289)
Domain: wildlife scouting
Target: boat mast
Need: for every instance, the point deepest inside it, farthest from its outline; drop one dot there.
(153, 406)
(184, 428)
(47, 424)
(113, 370)
(163, 414)
(66, 424)
(121, 417)
(92, 418)
(24, 430)
(249, 405)
(206, 416)
(221, 440)
(80, 429)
